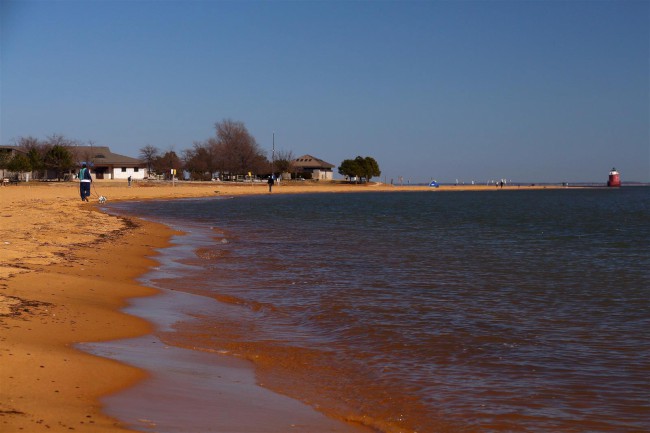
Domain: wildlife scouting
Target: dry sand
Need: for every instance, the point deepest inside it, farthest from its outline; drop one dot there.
(66, 270)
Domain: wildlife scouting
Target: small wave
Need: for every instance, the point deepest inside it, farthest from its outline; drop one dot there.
(251, 305)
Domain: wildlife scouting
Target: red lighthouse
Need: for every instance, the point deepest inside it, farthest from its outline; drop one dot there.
(614, 178)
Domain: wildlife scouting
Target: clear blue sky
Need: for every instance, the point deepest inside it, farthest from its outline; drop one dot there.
(528, 91)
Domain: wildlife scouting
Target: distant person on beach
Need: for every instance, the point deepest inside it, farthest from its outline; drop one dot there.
(271, 182)
(129, 180)
(84, 182)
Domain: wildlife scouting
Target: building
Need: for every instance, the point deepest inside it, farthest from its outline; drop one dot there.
(6, 154)
(614, 178)
(310, 167)
(105, 164)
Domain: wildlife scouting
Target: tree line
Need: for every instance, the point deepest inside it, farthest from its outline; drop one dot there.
(232, 152)
(41, 156)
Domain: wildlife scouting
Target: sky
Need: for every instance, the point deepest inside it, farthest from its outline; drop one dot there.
(529, 91)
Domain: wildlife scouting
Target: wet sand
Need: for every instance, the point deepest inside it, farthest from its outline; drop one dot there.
(67, 270)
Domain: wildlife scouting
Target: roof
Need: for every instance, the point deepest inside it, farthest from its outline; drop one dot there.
(98, 155)
(102, 155)
(308, 161)
(12, 148)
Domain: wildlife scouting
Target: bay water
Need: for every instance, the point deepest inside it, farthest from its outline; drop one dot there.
(489, 311)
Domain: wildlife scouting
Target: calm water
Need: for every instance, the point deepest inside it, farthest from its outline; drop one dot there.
(518, 311)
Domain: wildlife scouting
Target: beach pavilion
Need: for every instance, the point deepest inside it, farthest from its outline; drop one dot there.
(310, 167)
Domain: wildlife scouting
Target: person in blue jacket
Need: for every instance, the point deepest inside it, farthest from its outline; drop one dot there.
(84, 182)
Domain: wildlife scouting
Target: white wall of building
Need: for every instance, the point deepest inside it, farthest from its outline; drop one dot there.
(322, 175)
(124, 173)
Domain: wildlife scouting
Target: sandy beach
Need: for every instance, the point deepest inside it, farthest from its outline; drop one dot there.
(66, 270)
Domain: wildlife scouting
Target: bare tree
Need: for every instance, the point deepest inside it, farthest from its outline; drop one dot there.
(167, 162)
(87, 155)
(283, 161)
(201, 160)
(149, 154)
(237, 150)
(57, 139)
(35, 150)
(27, 143)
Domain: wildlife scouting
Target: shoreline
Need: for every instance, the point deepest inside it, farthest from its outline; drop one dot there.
(67, 271)
(48, 384)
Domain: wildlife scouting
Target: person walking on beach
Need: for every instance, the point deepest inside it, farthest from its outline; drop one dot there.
(271, 182)
(85, 181)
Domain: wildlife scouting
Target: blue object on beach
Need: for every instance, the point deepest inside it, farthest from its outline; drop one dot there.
(434, 184)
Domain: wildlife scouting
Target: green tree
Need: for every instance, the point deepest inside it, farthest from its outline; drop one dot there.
(36, 159)
(369, 167)
(5, 157)
(19, 164)
(350, 168)
(360, 167)
(35, 151)
(59, 159)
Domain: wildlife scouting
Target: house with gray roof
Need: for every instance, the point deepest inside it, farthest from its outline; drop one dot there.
(105, 164)
(311, 167)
